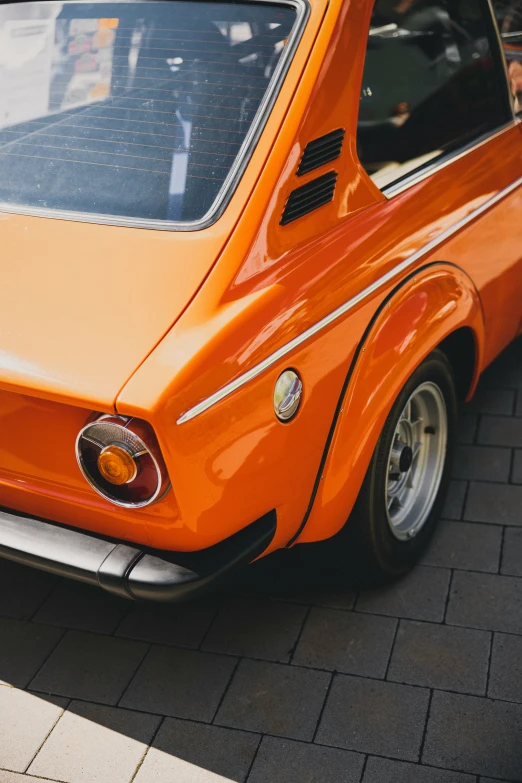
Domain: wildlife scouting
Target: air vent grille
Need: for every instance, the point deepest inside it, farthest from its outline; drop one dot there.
(320, 151)
(308, 197)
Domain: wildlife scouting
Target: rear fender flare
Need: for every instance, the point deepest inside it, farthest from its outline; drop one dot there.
(413, 320)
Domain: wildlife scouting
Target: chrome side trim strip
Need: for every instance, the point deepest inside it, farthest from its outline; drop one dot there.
(241, 380)
(235, 174)
(394, 189)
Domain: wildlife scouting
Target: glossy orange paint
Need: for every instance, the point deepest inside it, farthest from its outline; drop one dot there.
(99, 298)
(251, 287)
(438, 300)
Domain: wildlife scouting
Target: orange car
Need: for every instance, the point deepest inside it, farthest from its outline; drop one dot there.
(252, 255)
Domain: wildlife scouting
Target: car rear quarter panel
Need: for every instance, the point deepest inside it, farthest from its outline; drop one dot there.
(235, 461)
(434, 302)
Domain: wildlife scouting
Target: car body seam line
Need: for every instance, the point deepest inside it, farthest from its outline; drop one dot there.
(249, 375)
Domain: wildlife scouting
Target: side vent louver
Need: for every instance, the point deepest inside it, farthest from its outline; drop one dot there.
(308, 197)
(320, 151)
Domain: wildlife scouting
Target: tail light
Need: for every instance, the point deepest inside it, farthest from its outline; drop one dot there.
(121, 460)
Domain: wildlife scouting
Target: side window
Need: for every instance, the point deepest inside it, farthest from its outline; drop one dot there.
(433, 82)
(509, 18)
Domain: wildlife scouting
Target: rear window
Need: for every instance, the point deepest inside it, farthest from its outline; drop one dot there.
(139, 112)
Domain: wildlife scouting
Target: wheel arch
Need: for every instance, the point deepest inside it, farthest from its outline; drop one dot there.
(462, 352)
(437, 306)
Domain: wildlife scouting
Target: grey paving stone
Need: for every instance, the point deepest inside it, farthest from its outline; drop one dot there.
(498, 504)
(256, 629)
(374, 717)
(274, 699)
(187, 752)
(421, 595)
(493, 603)
(474, 735)
(76, 605)
(340, 596)
(388, 771)
(298, 575)
(467, 427)
(58, 701)
(439, 656)
(181, 626)
(95, 744)
(500, 431)
(23, 648)
(287, 761)
(14, 777)
(454, 505)
(347, 642)
(518, 409)
(497, 377)
(180, 683)
(482, 463)
(465, 545)
(91, 667)
(512, 552)
(505, 677)
(516, 476)
(25, 722)
(505, 371)
(22, 589)
(496, 401)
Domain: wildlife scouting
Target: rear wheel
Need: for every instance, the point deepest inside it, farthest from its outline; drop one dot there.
(404, 489)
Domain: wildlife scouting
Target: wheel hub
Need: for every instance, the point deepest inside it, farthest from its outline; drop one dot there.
(401, 457)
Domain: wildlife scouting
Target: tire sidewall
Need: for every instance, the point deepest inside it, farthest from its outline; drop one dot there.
(396, 556)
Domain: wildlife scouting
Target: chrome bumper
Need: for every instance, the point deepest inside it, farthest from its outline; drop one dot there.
(123, 568)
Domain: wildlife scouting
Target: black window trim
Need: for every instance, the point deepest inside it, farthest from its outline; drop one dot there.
(502, 53)
(246, 150)
(409, 180)
(516, 114)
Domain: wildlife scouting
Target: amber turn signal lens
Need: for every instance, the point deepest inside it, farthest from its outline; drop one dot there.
(116, 465)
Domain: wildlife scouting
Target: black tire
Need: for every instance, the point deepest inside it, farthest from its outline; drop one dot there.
(376, 553)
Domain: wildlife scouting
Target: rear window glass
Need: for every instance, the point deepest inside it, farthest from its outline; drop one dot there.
(141, 110)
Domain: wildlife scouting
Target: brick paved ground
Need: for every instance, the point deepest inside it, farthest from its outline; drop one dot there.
(284, 678)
